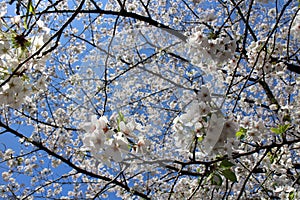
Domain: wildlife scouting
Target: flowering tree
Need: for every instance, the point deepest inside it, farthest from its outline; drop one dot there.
(145, 99)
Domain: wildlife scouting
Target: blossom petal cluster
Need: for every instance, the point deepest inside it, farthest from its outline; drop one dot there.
(107, 142)
(218, 133)
(202, 120)
(204, 48)
(14, 76)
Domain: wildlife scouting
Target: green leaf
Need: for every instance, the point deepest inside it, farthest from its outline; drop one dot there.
(121, 117)
(215, 179)
(271, 157)
(292, 195)
(275, 130)
(241, 133)
(230, 175)
(200, 139)
(25, 23)
(30, 9)
(280, 129)
(19, 160)
(225, 164)
(284, 128)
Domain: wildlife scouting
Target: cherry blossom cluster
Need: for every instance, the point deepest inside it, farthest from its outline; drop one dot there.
(15, 80)
(111, 140)
(205, 123)
(205, 47)
(14, 92)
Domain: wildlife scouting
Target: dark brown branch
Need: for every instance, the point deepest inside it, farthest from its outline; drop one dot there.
(239, 155)
(124, 13)
(293, 67)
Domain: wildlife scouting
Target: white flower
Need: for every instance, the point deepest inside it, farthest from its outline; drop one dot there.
(3, 9)
(16, 19)
(204, 94)
(210, 15)
(203, 49)
(131, 7)
(116, 147)
(218, 132)
(141, 146)
(6, 176)
(192, 114)
(42, 26)
(273, 107)
(95, 138)
(41, 84)
(198, 39)
(100, 124)
(94, 141)
(228, 133)
(213, 133)
(204, 109)
(128, 128)
(8, 154)
(229, 130)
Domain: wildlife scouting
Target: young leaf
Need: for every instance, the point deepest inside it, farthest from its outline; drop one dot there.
(121, 117)
(281, 129)
(227, 173)
(275, 130)
(200, 139)
(292, 195)
(225, 164)
(241, 133)
(271, 157)
(30, 9)
(215, 179)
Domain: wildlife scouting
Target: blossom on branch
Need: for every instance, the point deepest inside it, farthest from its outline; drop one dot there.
(105, 141)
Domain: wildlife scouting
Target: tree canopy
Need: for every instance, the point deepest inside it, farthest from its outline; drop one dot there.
(150, 99)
